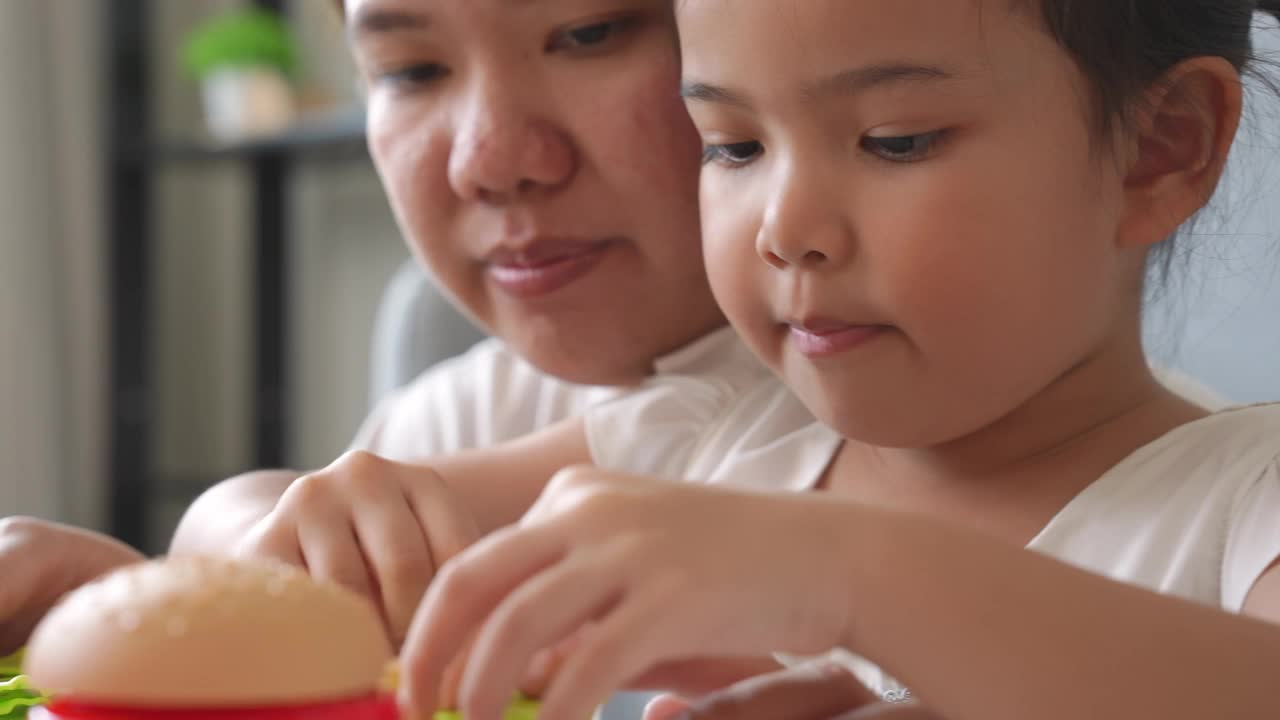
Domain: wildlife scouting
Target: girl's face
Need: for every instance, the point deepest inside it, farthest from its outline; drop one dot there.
(904, 211)
(540, 163)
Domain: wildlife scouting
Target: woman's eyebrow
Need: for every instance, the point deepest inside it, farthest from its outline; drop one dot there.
(371, 20)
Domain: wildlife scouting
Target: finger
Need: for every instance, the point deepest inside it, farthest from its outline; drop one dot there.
(539, 614)
(396, 548)
(546, 663)
(332, 553)
(16, 628)
(451, 682)
(815, 691)
(617, 649)
(20, 580)
(665, 707)
(22, 602)
(269, 540)
(464, 593)
(274, 546)
(450, 528)
(94, 555)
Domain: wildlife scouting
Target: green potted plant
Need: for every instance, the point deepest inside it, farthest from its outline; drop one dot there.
(244, 61)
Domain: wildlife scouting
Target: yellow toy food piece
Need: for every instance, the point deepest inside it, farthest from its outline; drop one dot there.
(521, 709)
(10, 666)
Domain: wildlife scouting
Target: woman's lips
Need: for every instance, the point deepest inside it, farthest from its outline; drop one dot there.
(544, 268)
(825, 338)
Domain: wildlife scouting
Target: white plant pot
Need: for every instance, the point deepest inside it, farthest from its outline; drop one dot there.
(246, 102)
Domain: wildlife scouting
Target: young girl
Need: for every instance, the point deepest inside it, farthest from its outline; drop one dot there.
(932, 218)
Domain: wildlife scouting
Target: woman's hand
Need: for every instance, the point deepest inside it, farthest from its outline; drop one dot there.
(378, 527)
(627, 576)
(40, 562)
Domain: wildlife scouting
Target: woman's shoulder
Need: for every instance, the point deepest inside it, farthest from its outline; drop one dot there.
(484, 396)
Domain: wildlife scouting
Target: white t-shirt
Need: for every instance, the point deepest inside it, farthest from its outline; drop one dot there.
(1192, 514)
(490, 395)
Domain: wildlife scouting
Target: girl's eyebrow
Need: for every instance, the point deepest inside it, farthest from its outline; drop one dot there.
(854, 81)
(858, 80)
(706, 92)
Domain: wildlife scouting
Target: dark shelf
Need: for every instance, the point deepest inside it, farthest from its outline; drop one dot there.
(135, 156)
(339, 135)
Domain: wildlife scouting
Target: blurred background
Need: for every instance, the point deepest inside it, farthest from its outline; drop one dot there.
(193, 263)
(182, 300)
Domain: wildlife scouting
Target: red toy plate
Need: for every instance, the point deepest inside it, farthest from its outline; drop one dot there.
(373, 708)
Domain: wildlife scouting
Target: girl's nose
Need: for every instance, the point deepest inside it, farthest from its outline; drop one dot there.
(801, 229)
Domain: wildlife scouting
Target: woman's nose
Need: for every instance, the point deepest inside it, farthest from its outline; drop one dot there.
(502, 153)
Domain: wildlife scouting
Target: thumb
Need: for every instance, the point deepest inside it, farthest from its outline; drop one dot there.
(665, 707)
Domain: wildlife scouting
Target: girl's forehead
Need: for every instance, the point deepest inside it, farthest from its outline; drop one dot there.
(756, 40)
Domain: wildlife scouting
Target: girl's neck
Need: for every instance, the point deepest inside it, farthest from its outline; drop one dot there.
(1020, 470)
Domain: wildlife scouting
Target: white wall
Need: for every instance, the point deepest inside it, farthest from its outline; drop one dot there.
(1221, 322)
(52, 358)
(343, 249)
(50, 249)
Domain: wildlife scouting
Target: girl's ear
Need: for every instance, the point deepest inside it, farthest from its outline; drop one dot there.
(1177, 146)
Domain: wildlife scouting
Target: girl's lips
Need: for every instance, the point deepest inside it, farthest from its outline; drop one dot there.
(827, 339)
(531, 278)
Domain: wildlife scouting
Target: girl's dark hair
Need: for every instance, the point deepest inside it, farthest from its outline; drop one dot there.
(1125, 46)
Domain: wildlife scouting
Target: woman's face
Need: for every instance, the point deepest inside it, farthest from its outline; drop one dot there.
(540, 163)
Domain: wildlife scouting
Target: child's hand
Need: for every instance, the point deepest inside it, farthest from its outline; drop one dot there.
(643, 575)
(42, 561)
(815, 691)
(378, 527)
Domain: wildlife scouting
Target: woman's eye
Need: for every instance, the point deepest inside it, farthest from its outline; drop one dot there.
(903, 148)
(413, 76)
(732, 154)
(588, 36)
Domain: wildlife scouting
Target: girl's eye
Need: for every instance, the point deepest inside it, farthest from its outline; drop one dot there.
(732, 154)
(904, 148)
(589, 36)
(412, 77)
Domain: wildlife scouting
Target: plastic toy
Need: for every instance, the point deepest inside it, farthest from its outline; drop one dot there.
(209, 639)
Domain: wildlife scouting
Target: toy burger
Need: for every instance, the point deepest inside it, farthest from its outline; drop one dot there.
(214, 639)
(210, 639)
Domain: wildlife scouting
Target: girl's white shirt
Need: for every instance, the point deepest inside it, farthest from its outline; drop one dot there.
(1195, 514)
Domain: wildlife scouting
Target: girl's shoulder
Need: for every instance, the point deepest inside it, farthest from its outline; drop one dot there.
(1195, 513)
(1216, 456)
(1245, 432)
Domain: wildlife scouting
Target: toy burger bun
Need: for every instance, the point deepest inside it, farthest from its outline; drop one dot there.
(208, 633)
